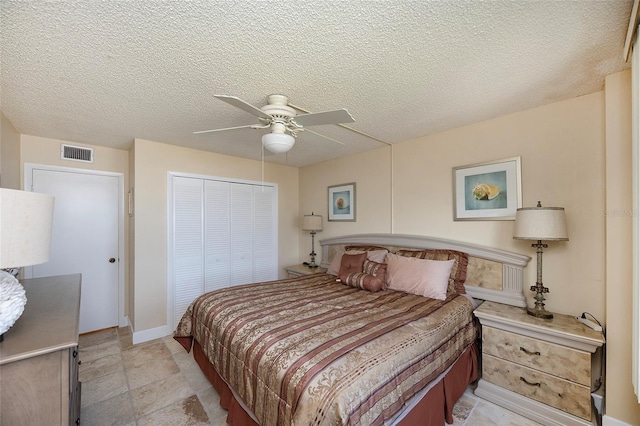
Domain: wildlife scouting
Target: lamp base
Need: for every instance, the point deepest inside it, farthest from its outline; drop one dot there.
(539, 312)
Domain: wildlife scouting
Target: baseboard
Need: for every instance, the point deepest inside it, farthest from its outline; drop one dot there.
(610, 421)
(151, 334)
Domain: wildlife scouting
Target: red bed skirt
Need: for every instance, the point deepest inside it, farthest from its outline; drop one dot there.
(433, 409)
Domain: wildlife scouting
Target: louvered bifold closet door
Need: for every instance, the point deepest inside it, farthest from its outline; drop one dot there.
(217, 234)
(242, 234)
(188, 242)
(224, 233)
(265, 258)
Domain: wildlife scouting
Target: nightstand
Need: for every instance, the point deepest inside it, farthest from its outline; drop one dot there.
(301, 270)
(539, 368)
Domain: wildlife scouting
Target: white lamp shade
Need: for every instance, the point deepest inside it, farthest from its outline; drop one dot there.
(541, 223)
(278, 142)
(312, 222)
(25, 228)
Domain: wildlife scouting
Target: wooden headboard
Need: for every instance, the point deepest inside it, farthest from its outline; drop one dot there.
(492, 274)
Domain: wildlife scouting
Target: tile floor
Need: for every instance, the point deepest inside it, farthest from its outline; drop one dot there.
(158, 383)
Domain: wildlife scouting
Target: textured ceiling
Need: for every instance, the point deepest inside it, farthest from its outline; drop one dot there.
(105, 73)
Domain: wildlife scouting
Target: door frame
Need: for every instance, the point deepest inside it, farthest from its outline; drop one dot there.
(29, 168)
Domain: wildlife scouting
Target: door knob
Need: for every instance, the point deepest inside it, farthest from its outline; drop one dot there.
(112, 260)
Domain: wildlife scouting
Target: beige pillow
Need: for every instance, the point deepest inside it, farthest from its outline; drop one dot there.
(374, 255)
(424, 277)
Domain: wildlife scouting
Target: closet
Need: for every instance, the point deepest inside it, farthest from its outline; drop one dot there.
(221, 233)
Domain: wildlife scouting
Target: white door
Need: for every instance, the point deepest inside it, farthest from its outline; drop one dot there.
(84, 240)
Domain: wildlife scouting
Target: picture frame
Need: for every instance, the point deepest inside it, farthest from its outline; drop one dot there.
(342, 202)
(487, 191)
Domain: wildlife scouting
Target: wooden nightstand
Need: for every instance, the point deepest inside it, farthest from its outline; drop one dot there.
(541, 369)
(301, 270)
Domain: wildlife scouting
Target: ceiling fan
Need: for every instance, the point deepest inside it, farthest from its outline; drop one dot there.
(282, 120)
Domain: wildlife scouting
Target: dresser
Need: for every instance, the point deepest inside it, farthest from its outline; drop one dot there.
(302, 270)
(39, 356)
(541, 369)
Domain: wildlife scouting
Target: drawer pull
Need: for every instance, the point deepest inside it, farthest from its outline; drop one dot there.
(529, 383)
(529, 352)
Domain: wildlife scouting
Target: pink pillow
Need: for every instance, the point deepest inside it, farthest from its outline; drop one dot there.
(423, 277)
(375, 255)
(351, 263)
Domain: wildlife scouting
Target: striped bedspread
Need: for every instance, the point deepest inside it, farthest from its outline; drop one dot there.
(310, 351)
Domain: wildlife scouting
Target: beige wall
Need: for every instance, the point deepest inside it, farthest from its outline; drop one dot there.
(9, 154)
(562, 147)
(371, 171)
(131, 300)
(621, 402)
(152, 162)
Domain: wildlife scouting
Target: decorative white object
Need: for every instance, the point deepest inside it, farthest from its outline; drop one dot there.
(12, 301)
(25, 239)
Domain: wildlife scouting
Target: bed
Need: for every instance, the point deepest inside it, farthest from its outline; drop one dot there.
(314, 350)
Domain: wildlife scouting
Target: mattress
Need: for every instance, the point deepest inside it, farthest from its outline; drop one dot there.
(308, 350)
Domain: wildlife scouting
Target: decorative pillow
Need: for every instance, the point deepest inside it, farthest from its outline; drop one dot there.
(364, 281)
(351, 263)
(375, 255)
(424, 277)
(458, 272)
(376, 269)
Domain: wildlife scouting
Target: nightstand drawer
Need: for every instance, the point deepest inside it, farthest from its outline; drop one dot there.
(557, 360)
(559, 393)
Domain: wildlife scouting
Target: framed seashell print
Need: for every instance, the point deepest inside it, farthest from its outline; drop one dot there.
(342, 202)
(487, 191)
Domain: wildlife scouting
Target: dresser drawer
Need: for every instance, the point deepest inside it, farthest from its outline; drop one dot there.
(556, 392)
(557, 360)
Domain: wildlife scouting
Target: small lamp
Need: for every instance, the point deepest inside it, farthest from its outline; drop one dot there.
(313, 223)
(25, 239)
(541, 224)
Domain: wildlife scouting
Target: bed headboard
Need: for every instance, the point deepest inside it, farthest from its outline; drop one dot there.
(492, 274)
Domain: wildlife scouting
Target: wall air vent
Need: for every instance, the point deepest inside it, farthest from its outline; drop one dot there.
(76, 153)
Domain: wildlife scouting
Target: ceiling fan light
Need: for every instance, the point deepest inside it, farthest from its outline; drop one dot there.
(278, 142)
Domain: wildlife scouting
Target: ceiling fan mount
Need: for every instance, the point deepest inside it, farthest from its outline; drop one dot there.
(282, 120)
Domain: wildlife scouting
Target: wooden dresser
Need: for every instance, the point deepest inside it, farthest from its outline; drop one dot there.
(39, 356)
(539, 368)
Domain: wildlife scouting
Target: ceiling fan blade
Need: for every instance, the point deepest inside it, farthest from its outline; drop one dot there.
(323, 136)
(226, 128)
(239, 103)
(326, 117)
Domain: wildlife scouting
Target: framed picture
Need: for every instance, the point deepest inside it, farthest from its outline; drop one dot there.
(342, 202)
(487, 191)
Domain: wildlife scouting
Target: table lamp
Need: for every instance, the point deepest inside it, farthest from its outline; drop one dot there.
(312, 223)
(25, 239)
(540, 224)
